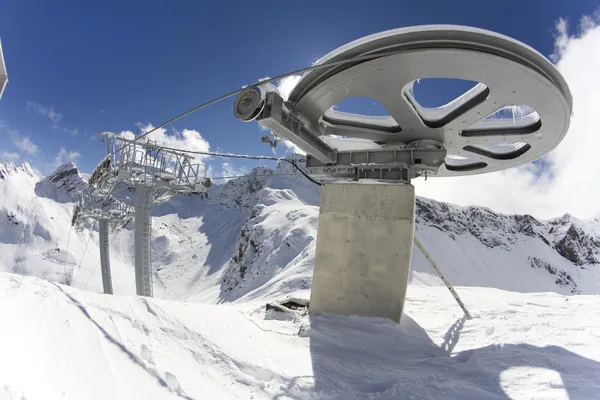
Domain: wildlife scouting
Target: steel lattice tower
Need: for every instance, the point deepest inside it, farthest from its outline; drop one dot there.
(156, 173)
(106, 212)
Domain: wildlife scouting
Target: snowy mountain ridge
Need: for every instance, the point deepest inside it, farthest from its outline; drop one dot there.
(9, 168)
(557, 254)
(255, 237)
(64, 185)
(574, 240)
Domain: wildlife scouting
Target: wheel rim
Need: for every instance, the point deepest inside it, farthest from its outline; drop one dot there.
(509, 73)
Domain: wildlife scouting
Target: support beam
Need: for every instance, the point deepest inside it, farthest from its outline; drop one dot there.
(143, 229)
(399, 165)
(443, 278)
(105, 257)
(364, 247)
(278, 120)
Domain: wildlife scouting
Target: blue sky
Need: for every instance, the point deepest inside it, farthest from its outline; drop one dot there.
(76, 68)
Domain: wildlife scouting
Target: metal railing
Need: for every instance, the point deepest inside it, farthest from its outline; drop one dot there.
(149, 164)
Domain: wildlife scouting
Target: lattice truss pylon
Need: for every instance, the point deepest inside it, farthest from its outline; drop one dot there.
(108, 212)
(94, 207)
(146, 163)
(156, 173)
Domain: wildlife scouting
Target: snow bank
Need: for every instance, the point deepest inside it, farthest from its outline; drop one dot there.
(62, 343)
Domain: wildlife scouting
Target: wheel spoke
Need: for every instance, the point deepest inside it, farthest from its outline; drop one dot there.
(508, 73)
(403, 112)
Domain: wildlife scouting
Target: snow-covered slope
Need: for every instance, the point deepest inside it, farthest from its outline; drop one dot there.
(35, 229)
(478, 247)
(251, 241)
(474, 246)
(255, 237)
(63, 343)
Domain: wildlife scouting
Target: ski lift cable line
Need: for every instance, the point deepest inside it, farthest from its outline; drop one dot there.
(67, 251)
(249, 176)
(363, 57)
(82, 256)
(226, 155)
(247, 156)
(97, 265)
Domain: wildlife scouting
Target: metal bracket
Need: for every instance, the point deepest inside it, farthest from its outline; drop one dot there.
(397, 165)
(276, 118)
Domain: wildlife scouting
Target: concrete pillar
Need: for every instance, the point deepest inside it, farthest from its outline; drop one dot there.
(142, 236)
(105, 257)
(364, 246)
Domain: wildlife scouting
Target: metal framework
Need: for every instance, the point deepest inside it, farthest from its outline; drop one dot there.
(112, 212)
(443, 278)
(518, 111)
(156, 174)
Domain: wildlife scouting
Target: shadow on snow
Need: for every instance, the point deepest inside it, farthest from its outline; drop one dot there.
(381, 360)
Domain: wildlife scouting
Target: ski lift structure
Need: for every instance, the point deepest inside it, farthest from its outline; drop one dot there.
(366, 228)
(109, 214)
(156, 173)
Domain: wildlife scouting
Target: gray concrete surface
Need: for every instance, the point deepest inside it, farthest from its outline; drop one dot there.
(364, 246)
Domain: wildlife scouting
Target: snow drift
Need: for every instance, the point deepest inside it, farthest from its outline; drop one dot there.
(66, 343)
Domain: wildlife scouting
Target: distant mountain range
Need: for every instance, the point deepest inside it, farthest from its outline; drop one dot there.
(256, 236)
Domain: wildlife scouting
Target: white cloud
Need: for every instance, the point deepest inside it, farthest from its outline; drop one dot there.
(562, 39)
(292, 148)
(23, 143)
(230, 171)
(572, 186)
(8, 156)
(65, 156)
(184, 140)
(286, 85)
(46, 111)
(72, 132)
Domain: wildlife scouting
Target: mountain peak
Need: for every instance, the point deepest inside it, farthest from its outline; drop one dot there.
(567, 217)
(65, 167)
(9, 168)
(63, 171)
(63, 185)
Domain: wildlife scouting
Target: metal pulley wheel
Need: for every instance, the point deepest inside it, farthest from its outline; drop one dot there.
(518, 110)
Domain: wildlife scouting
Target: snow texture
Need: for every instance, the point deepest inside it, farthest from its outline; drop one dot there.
(35, 230)
(66, 343)
(532, 285)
